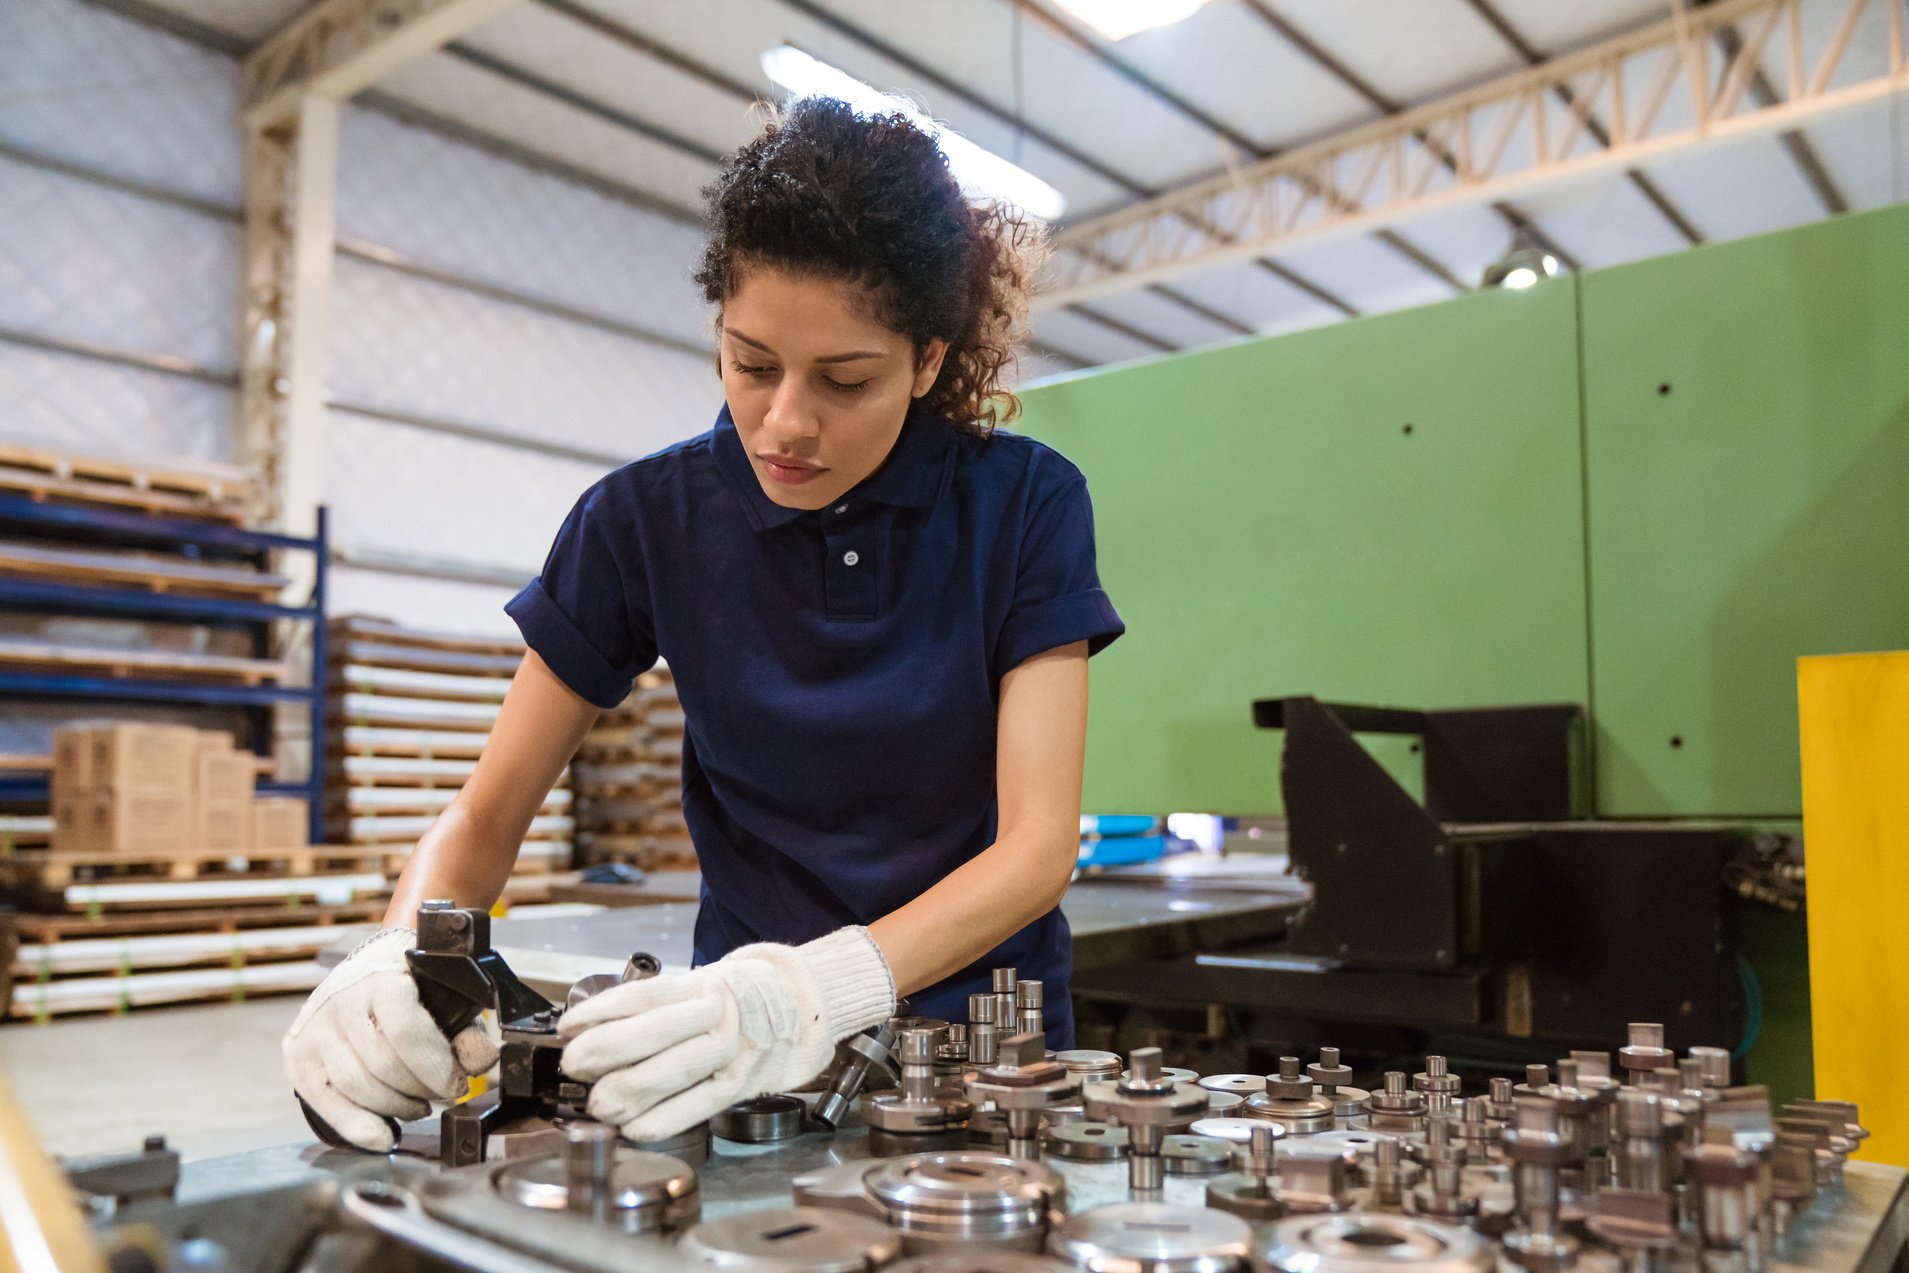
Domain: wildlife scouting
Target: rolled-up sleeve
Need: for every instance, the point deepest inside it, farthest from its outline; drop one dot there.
(587, 615)
(1058, 599)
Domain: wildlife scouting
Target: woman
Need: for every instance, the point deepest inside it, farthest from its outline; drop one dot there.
(878, 615)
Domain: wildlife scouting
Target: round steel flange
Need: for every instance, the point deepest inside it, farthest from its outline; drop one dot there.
(1188, 1155)
(840, 1187)
(945, 1201)
(1225, 1102)
(761, 1121)
(1090, 1065)
(1152, 1237)
(1237, 1193)
(1169, 1073)
(988, 1128)
(978, 1262)
(792, 1240)
(1318, 1149)
(1363, 1142)
(1244, 1084)
(883, 1144)
(1370, 1243)
(1087, 1142)
(1237, 1130)
(1299, 1117)
(1349, 1102)
(1066, 1112)
(691, 1145)
(647, 1192)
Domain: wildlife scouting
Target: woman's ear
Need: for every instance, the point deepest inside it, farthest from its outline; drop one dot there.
(928, 365)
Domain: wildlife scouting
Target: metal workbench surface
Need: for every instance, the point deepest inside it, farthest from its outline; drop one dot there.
(1112, 919)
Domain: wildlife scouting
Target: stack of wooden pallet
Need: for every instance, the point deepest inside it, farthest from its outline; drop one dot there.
(201, 491)
(628, 779)
(410, 712)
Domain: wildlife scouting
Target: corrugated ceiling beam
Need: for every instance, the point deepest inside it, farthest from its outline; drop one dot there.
(1592, 125)
(630, 38)
(954, 88)
(1385, 104)
(1794, 144)
(1128, 330)
(1226, 132)
(1381, 171)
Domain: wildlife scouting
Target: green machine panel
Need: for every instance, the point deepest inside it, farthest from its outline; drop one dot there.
(1387, 511)
(1747, 441)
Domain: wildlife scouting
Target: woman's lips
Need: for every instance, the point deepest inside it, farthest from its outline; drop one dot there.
(790, 474)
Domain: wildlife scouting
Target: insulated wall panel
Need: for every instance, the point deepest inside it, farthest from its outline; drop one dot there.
(1747, 419)
(1327, 513)
(68, 403)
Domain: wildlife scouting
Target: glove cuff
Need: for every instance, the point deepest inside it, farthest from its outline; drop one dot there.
(853, 979)
(386, 946)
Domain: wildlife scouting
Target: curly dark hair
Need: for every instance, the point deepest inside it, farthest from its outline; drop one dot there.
(869, 199)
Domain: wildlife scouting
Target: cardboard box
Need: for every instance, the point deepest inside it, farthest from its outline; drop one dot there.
(280, 822)
(73, 747)
(73, 828)
(147, 759)
(224, 775)
(134, 821)
(225, 826)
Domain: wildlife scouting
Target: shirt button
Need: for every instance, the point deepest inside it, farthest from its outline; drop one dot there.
(840, 509)
(850, 557)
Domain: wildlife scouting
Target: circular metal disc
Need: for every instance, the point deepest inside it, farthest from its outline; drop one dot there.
(760, 1121)
(1364, 1143)
(1237, 1130)
(979, 1262)
(638, 1181)
(1372, 1244)
(1244, 1084)
(1172, 1072)
(1224, 1102)
(1152, 1237)
(1087, 1142)
(792, 1240)
(963, 1182)
(1197, 1155)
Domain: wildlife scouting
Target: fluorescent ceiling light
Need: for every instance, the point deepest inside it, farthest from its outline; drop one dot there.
(980, 172)
(1118, 19)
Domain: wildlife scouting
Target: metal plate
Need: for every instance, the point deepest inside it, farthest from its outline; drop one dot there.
(1197, 1155)
(1087, 1142)
(1237, 1130)
(639, 1181)
(964, 1183)
(842, 1187)
(1224, 1102)
(1152, 1237)
(793, 1240)
(1244, 1084)
(1372, 1244)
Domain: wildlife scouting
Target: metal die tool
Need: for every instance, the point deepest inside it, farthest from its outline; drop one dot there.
(1723, 1180)
(1437, 1084)
(1089, 1065)
(1020, 1084)
(1248, 1194)
(1370, 1244)
(1151, 1237)
(1087, 1142)
(982, 1032)
(1396, 1108)
(761, 1121)
(1146, 1103)
(1005, 1004)
(919, 1106)
(855, 1056)
(1334, 1082)
(1441, 1194)
(635, 1191)
(1188, 1155)
(1538, 1148)
(1314, 1179)
(792, 1240)
(951, 1201)
(1645, 1051)
(1639, 1225)
(1291, 1101)
(1030, 1008)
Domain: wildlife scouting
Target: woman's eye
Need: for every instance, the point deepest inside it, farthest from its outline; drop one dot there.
(857, 387)
(751, 371)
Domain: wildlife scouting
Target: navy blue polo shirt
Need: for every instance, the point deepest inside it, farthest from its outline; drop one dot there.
(839, 670)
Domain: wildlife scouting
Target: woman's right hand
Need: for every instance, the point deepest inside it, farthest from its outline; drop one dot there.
(363, 1048)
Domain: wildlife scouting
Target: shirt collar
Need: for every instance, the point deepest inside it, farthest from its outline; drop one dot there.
(912, 476)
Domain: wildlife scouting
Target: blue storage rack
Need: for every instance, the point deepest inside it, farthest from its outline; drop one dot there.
(81, 526)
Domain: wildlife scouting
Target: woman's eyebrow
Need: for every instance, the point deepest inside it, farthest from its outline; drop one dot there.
(852, 356)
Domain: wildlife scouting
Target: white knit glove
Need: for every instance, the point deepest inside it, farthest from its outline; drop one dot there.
(667, 1053)
(364, 1048)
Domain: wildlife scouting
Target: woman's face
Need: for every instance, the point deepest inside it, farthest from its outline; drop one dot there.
(818, 389)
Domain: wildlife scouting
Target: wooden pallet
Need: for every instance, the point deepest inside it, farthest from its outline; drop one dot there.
(354, 678)
(359, 710)
(140, 664)
(220, 919)
(322, 888)
(397, 771)
(211, 494)
(119, 994)
(150, 571)
(41, 962)
(21, 829)
(417, 801)
(416, 658)
(396, 741)
(53, 869)
(386, 831)
(350, 627)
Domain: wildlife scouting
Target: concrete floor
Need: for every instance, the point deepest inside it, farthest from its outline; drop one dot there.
(207, 1077)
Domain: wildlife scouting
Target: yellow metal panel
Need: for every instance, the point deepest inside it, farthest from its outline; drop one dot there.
(1855, 738)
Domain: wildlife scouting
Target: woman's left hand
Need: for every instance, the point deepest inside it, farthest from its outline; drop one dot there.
(667, 1053)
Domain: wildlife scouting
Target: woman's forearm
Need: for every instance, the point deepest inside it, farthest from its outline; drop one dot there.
(463, 857)
(992, 896)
